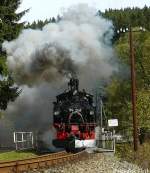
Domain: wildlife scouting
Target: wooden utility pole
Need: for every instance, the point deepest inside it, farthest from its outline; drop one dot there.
(133, 84)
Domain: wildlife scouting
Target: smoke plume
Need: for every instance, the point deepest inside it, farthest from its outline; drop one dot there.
(42, 60)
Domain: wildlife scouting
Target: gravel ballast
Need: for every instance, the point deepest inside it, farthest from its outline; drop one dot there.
(96, 163)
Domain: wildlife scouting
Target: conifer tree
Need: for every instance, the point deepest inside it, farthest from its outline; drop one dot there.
(10, 27)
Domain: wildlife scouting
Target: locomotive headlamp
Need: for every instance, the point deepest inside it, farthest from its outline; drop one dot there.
(70, 110)
(79, 110)
(91, 112)
(56, 113)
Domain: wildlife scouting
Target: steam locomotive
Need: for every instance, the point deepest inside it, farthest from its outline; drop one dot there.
(74, 118)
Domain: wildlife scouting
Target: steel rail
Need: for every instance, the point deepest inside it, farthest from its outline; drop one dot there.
(40, 162)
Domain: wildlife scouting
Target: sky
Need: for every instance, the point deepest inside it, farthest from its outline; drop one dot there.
(49, 8)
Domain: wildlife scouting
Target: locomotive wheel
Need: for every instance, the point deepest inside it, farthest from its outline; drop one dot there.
(67, 150)
(70, 147)
(76, 150)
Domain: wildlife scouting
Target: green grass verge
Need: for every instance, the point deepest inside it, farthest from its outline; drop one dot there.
(16, 155)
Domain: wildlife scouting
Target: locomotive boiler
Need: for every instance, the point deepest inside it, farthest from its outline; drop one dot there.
(74, 118)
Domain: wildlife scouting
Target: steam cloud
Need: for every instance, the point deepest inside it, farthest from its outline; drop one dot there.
(42, 60)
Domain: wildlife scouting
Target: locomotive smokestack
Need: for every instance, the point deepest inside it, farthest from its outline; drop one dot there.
(73, 84)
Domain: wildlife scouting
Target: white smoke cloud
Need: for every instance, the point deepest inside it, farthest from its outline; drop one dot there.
(62, 48)
(41, 60)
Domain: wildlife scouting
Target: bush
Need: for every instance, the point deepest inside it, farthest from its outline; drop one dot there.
(141, 158)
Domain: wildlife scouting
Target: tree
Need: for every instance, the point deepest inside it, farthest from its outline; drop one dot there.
(8, 92)
(119, 105)
(40, 24)
(129, 16)
(119, 91)
(143, 108)
(9, 30)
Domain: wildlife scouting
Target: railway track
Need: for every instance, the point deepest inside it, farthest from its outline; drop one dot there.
(40, 162)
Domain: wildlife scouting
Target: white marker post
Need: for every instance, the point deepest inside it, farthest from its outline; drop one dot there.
(113, 123)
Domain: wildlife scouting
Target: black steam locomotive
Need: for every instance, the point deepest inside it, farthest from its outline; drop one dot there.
(74, 118)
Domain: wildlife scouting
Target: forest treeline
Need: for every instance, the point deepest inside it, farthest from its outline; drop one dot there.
(129, 16)
(121, 18)
(118, 91)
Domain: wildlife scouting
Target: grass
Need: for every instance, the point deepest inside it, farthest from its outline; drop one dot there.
(141, 158)
(16, 155)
